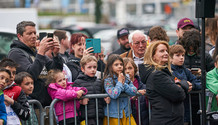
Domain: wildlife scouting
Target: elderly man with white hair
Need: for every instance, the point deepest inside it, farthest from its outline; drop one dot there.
(138, 43)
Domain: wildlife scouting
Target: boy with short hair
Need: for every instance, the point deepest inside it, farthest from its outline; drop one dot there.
(15, 99)
(4, 78)
(25, 81)
(88, 80)
(177, 56)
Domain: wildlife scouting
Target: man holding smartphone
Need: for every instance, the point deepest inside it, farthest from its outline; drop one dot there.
(23, 52)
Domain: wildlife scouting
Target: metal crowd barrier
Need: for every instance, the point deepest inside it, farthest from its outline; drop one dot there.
(96, 97)
(34, 103)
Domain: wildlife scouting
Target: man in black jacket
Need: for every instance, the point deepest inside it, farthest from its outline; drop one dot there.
(23, 52)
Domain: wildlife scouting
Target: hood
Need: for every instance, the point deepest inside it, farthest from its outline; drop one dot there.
(82, 76)
(74, 59)
(145, 71)
(19, 44)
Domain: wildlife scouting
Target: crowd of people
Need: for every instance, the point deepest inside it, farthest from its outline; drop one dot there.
(56, 68)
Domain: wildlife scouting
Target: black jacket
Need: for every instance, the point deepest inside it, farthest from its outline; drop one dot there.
(165, 96)
(195, 61)
(94, 86)
(37, 65)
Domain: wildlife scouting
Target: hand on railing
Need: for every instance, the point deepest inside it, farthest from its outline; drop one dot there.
(107, 100)
(84, 101)
(190, 86)
(79, 93)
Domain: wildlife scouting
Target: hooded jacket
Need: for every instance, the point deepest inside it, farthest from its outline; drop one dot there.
(165, 96)
(94, 86)
(35, 64)
(68, 95)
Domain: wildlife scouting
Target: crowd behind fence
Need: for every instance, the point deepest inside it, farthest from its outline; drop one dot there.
(42, 112)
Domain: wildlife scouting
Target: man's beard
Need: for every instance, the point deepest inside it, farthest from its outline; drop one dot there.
(123, 46)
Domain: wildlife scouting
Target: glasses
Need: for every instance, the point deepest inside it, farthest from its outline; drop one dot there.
(138, 43)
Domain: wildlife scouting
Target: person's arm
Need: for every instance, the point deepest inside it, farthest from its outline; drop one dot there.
(21, 106)
(113, 90)
(130, 89)
(167, 88)
(67, 94)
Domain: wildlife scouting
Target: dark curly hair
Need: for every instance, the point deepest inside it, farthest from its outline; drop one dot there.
(191, 38)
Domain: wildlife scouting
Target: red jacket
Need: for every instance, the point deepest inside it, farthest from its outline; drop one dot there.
(21, 105)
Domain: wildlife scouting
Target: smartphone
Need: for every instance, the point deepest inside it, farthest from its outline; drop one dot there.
(50, 35)
(194, 69)
(95, 43)
(42, 35)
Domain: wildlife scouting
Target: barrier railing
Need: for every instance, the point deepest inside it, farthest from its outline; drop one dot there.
(97, 96)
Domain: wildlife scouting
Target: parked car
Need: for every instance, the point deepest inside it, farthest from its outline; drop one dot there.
(6, 38)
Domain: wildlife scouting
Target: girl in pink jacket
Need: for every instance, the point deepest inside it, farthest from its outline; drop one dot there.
(59, 88)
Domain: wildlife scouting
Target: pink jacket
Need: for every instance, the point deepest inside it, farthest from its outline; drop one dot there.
(68, 95)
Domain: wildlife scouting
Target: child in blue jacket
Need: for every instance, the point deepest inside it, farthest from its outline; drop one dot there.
(115, 83)
(177, 55)
(4, 79)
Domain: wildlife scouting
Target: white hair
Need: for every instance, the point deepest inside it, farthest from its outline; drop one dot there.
(136, 32)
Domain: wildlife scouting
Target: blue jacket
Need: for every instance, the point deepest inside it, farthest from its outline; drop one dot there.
(183, 73)
(3, 114)
(114, 92)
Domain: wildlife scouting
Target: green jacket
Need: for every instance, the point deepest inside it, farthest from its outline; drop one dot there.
(212, 85)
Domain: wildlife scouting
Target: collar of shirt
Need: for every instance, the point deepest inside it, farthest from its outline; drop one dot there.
(137, 60)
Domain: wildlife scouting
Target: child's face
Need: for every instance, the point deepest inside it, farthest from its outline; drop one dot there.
(178, 59)
(13, 73)
(4, 79)
(27, 85)
(117, 67)
(129, 69)
(90, 68)
(61, 80)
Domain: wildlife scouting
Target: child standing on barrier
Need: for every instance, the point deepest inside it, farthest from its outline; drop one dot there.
(17, 106)
(131, 69)
(177, 56)
(115, 83)
(25, 81)
(88, 80)
(59, 88)
(4, 79)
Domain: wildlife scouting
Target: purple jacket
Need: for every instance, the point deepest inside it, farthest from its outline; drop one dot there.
(68, 95)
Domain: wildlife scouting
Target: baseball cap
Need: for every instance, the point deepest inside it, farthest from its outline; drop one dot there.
(185, 22)
(122, 32)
